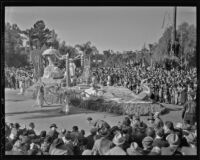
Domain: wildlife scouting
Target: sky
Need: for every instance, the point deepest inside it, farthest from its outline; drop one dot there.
(116, 28)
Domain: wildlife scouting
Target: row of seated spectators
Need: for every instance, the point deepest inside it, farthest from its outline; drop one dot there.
(129, 137)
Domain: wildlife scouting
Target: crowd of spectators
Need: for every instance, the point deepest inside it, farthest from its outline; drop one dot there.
(131, 136)
(13, 76)
(167, 86)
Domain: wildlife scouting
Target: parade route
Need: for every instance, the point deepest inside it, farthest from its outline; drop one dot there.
(18, 108)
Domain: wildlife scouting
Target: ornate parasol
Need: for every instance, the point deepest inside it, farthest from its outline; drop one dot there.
(50, 51)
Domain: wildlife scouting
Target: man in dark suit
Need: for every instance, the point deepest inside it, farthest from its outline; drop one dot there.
(90, 138)
(53, 132)
(189, 111)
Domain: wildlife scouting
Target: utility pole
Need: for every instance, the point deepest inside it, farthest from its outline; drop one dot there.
(174, 31)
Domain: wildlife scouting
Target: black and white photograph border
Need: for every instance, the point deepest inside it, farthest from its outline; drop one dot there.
(100, 79)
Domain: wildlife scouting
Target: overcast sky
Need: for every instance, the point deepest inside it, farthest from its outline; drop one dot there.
(116, 28)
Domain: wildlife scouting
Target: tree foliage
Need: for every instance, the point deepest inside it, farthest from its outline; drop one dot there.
(39, 37)
(14, 49)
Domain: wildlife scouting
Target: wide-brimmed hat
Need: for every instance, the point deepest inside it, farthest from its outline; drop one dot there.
(53, 125)
(147, 142)
(118, 139)
(173, 139)
(134, 148)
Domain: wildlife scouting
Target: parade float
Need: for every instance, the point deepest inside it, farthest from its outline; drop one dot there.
(87, 93)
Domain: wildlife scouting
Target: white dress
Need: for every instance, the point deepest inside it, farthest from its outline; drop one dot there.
(40, 99)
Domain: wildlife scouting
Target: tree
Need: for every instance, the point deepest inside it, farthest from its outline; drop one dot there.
(38, 35)
(187, 37)
(87, 48)
(14, 50)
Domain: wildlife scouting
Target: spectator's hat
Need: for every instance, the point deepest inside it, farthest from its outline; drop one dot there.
(32, 125)
(179, 125)
(118, 139)
(155, 151)
(173, 139)
(160, 132)
(43, 134)
(89, 118)
(134, 147)
(191, 138)
(114, 129)
(63, 131)
(147, 142)
(53, 125)
(18, 144)
(16, 125)
(11, 124)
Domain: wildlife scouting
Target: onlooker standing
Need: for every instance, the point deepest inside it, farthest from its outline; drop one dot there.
(189, 111)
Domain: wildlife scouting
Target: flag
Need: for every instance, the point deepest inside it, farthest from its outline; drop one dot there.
(163, 21)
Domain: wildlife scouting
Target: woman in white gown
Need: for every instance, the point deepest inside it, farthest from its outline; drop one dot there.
(40, 96)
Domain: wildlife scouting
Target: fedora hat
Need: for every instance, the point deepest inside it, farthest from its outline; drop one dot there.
(118, 139)
(147, 142)
(173, 139)
(53, 125)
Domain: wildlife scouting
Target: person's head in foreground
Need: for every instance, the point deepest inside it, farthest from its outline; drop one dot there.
(53, 127)
(31, 126)
(168, 127)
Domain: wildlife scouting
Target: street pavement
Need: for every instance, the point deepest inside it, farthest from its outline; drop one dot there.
(19, 108)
